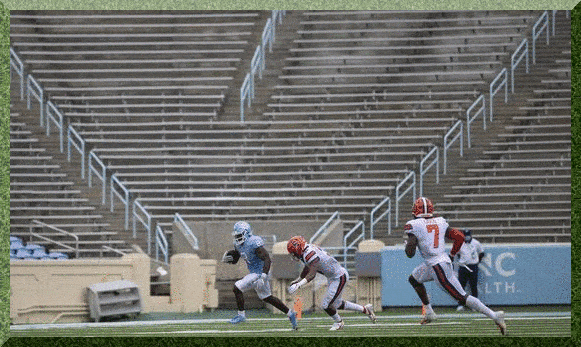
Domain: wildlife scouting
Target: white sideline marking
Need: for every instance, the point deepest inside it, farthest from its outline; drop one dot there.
(210, 331)
(520, 315)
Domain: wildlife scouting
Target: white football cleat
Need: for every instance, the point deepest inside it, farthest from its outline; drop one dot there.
(337, 325)
(428, 318)
(500, 322)
(369, 312)
(460, 308)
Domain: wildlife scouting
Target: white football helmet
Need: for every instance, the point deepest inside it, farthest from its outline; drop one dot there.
(242, 231)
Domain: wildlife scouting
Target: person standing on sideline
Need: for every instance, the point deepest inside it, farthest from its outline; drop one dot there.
(469, 256)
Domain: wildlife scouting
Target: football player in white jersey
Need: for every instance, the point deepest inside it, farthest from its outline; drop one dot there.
(251, 249)
(427, 233)
(316, 261)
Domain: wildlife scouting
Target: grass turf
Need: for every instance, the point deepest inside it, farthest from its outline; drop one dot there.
(389, 324)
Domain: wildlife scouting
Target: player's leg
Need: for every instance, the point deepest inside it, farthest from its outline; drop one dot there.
(450, 283)
(421, 274)
(463, 279)
(240, 287)
(333, 300)
(265, 294)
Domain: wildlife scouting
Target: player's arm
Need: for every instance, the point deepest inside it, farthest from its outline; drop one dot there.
(410, 245)
(263, 254)
(458, 237)
(307, 275)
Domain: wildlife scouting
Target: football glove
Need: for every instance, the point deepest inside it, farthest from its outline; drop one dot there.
(294, 287)
(231, 257)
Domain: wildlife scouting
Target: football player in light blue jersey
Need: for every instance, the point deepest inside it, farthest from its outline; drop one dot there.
(251, 248)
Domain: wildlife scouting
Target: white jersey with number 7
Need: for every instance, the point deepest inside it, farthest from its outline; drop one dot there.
(430, 233)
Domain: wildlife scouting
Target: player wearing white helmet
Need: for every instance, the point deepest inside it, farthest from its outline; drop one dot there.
(427, 233)
(251, 249)
(316, 261)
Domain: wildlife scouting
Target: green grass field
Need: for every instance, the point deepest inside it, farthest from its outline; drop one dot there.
(526, 323)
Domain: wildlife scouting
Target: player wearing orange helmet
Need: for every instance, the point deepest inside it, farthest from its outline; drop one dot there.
(427, 233)
(316, 261)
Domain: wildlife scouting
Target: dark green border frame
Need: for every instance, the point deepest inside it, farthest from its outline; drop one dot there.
(270, 4)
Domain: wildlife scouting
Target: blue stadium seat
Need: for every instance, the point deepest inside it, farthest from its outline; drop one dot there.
(14, 246)
(15, 239)
(58, 255)
(22, 253)
(38, 253)
(31, 247)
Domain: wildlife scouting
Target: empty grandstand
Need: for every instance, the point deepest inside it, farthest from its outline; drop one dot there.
(354, 109)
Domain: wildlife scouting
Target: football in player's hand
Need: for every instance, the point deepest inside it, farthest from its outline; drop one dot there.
(231, 257)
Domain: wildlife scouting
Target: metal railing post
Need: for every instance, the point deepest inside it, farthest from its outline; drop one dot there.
(38, 94)
(51, 112)
(469, 120)
(72, 136)
(398, 197)
(17, 65)
(515, 60)
(324, 226)
(374, 221)
(189, 233)
(102, 175)
(125, 199)
(543, 21)
(423, 171)
(146, 224)
(459, 135)
(504, 83)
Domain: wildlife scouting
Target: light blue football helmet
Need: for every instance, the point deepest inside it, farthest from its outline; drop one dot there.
(242, 231)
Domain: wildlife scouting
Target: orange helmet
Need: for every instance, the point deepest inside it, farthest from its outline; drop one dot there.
(423, 208)
(296, 246)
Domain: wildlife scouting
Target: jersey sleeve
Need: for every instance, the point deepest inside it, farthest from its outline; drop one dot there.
(479, 248)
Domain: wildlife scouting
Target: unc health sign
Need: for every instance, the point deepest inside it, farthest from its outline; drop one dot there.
(515, 274)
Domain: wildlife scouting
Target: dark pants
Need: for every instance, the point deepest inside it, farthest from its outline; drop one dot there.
(465, 276)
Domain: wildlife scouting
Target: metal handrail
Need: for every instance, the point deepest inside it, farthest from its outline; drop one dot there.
(66, 233)
(189, 233)
(38, 94)
(544, 21)
(346, 246)
(258, 62)
(18, 67)
(111, 249)
(72, 134)
(161, 244)
(374, 221)
(447, 145)
(51, 112)
(514, 60)
(493, 90)
(324, 226)
(423, 171)
(469, 120)
(102, 175)
(398, 197)
(147, 224)
(124, 199)
(245, 95)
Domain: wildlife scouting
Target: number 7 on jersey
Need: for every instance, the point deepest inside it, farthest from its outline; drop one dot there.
(434, 228)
